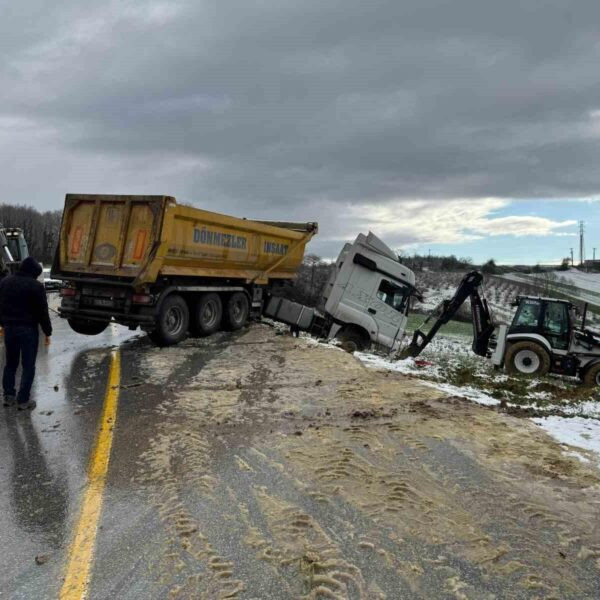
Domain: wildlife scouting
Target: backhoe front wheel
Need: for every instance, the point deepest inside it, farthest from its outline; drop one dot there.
(591, 377)
(172, 322)
(527, 358)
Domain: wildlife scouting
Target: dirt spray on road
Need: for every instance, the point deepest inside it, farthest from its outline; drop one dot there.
(285, 469)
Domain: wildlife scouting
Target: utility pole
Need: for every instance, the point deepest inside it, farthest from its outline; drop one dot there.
(581, 243)
(594, 254)
(572, 258)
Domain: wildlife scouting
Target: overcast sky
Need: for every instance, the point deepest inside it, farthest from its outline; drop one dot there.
(468, 126)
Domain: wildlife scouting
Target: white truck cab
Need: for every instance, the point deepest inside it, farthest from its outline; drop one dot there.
(365, 301)
(369, 291)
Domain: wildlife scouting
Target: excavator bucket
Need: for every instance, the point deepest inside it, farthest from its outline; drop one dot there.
(418, 342)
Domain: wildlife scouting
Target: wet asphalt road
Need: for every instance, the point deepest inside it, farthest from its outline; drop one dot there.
(44, 456)
(175, 522)
(43, 460)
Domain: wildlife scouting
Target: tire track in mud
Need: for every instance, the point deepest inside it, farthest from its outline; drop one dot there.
(161, 468)
(290, 471)
(176, 468)
(174, 461)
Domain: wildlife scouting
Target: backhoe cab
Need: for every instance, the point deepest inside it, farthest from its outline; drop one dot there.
(542, 338)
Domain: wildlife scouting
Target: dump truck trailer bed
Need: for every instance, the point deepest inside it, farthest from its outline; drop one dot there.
(147, 261)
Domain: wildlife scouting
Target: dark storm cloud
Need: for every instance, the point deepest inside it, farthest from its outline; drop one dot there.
(274, 107)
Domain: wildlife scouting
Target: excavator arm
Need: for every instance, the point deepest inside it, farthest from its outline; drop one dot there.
(483, 325)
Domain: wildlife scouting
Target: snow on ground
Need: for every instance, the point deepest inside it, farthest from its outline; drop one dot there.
(438, 286)
(584, 287)
(411, 367)
(574, 431)
(432, 298)
(580, 279)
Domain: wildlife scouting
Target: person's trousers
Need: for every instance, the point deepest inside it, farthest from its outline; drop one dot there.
(21, 345)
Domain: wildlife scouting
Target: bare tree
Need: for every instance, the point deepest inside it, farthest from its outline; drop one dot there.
(310, 281)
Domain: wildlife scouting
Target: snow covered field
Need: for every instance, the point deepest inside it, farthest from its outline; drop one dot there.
(438, 286)
(573, 284)
(580, 279)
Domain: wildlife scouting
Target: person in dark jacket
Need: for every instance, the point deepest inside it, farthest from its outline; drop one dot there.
(23, 309)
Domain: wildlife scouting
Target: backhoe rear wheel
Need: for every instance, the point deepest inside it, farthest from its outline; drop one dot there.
(527, 358)
(591, 377)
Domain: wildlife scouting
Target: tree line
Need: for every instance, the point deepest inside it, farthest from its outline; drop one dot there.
(420, 262)
(41, 229)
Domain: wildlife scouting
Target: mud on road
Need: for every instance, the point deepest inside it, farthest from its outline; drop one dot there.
(280, 468)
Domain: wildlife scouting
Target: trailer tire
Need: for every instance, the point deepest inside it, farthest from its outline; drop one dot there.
(591, 377)
(87, 326)
(236, 311)
(208, 313)
(172, 322)
(353, 340)
(527, 358)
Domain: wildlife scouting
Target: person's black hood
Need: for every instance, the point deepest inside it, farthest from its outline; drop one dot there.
(31, 267)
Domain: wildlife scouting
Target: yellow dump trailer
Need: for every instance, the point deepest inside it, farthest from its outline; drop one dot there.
(147, 261)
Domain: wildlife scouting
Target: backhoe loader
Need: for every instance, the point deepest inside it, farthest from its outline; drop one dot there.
(544, 336)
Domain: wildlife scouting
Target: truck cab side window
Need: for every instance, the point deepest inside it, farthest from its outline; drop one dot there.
(393, 295)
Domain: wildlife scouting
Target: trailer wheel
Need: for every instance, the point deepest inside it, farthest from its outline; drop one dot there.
(172, 323)
(86, 326)
(591, 377)
(353, 340)
(237, 311)
(207, 314)
(527, 358)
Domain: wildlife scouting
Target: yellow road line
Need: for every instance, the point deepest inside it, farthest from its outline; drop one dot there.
(82, 547)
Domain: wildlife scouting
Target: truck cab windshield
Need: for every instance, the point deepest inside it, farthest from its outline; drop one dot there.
(393, 294)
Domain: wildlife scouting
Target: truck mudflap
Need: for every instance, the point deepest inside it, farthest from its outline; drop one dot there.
(292, 313)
